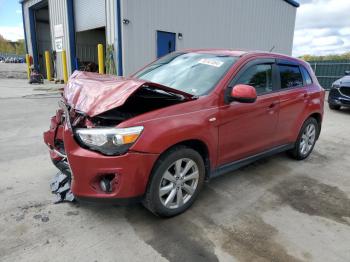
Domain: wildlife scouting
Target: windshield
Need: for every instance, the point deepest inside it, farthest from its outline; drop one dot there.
(192, 73)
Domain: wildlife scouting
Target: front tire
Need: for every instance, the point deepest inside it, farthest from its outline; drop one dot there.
(175, 182)
(306, 139)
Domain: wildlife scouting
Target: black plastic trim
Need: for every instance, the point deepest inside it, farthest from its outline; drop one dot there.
(63, 166)
(287, 62)
(243, 99)
(223, 169)
(292, 2)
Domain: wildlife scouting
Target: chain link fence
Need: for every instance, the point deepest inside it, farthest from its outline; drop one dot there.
(329, 71)
(3, 54)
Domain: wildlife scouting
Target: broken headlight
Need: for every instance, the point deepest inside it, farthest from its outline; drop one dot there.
(109, 141)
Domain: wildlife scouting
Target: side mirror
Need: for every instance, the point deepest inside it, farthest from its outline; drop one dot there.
(347, 72)
(243, 94)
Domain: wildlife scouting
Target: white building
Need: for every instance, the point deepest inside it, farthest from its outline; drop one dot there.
(139, 31)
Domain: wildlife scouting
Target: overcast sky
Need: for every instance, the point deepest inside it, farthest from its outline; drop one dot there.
(322, 26)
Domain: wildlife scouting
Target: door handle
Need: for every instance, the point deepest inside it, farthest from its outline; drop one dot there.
(272, 105)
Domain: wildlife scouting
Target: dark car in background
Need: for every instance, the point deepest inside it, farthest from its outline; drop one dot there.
(339, 95)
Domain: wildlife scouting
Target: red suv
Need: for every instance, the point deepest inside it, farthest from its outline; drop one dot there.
(183, 119)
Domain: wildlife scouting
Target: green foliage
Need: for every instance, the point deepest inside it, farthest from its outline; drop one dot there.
(341, 57)
(110, 64)
(17, 48)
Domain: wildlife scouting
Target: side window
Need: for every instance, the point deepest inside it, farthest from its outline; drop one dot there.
(290, 76)
(306, 75)
(258, 76)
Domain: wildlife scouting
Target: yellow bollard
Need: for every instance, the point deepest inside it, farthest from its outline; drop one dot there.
(101, 65)
(64, 64)
(28, 65)
(48, 65)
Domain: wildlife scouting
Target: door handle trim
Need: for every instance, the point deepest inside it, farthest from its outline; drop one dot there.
(272, 105)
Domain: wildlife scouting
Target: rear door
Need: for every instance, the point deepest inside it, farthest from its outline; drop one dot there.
(293, 98)
(248, 129)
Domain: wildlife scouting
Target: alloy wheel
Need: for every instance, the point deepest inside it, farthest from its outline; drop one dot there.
(178, 183)
(308, 139)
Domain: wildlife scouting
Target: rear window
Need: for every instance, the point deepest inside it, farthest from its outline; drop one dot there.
(290, 76)
(306, 75)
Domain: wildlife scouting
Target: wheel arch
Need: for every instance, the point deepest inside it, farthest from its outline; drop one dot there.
(318, 118)
(197, 145)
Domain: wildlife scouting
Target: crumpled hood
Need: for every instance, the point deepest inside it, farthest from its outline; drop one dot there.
(93, 94)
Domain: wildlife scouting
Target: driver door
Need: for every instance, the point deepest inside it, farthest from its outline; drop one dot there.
(246, 129)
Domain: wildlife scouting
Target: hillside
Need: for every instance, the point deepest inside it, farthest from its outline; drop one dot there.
(12, 47)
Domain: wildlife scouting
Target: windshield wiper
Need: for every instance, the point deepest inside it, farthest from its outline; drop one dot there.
(161, 91)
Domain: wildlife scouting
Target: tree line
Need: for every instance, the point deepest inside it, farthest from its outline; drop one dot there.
(340, 57)
(10, 47)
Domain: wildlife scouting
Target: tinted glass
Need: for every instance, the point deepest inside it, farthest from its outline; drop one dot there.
(258, 76)
(193, 73)
(307, 77)
(290, 76)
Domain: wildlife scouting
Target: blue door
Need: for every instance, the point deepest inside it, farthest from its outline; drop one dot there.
(165, 43)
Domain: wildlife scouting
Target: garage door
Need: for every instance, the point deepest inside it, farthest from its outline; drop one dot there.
(89, 14)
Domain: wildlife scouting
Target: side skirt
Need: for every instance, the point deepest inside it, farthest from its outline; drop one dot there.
(223, 169)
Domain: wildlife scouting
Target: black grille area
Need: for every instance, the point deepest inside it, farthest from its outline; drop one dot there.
(60, 146)
(345, 90)
(334, 93)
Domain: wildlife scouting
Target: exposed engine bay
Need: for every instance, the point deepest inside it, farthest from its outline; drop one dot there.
(144, 100)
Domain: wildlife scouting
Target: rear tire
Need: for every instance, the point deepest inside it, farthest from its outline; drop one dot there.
(334, 107)
(175, 182)
(306, 139)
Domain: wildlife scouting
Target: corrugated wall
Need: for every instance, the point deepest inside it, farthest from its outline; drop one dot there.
(58, 15)
(240, 24)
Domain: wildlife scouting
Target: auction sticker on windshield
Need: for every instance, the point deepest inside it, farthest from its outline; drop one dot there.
(210, 62)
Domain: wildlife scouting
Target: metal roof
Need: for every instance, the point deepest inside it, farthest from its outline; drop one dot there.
(291, 2)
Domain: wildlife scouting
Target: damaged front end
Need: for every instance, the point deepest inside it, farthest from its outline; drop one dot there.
(61, 183)
(91, 109)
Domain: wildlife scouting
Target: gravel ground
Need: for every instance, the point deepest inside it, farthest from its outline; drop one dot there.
(276, 209)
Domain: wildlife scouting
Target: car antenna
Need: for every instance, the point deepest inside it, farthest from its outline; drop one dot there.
(272, 49)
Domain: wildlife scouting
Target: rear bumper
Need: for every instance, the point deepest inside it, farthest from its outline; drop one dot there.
(130, 171)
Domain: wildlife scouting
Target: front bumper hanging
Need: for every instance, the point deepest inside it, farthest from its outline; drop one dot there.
(61, 187)
(61, 183)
